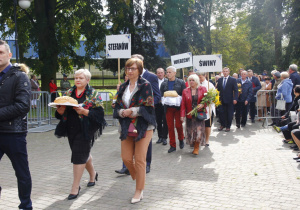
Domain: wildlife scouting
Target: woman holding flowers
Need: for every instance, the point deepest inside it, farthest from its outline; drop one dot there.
(210, 108)
(190, 105)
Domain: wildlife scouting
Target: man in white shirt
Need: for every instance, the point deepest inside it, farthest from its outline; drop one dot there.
(162, 127)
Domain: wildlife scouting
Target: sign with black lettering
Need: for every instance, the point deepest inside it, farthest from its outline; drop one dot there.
(118, 46)
(207, 63)
(182, 60)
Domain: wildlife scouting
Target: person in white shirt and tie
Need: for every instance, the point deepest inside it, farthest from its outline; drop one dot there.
(162, 127)
(227, 86)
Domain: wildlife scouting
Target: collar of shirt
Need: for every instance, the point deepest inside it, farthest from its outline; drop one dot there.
(6, 69)
(144, 70)
(204, 83)
(243, 81)
(226, 77)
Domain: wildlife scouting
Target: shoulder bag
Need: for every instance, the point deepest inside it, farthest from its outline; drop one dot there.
(280, 103)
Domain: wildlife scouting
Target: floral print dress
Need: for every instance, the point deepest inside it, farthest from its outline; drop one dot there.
(195, 129)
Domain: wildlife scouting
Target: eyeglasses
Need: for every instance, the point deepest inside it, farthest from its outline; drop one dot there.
(131, 69)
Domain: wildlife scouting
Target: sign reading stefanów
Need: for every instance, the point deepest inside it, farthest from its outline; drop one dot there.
(207, 63)
(182, 60)
(118, 46)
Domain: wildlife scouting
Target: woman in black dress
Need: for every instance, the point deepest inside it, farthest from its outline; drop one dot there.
(80, 124)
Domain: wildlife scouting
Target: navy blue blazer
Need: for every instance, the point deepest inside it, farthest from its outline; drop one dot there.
(246, 94)
(256, 86)
(230, 92)
(152, 78)
(295, 80)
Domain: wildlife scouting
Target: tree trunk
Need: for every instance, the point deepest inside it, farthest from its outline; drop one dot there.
(208, 45)
(278, 33)
(47, 43)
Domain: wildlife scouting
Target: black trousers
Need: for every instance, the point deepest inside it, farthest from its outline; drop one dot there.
(162, 127)
(291, 126)
(252, 110)
(226, 114)
(14, 146)
(241, 111)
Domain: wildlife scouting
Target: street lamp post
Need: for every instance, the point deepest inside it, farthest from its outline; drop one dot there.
(24, 4)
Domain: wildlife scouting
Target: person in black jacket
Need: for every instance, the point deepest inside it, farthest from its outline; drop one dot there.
(15, 93)
(81, 125)
(287, 128)
(245, 94)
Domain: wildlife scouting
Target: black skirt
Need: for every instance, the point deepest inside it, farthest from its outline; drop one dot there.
(80, 147)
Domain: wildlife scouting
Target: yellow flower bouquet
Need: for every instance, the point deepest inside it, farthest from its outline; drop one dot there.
(211, 96)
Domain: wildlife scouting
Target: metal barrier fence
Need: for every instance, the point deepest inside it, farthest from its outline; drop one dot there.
(41, 114)
(266, 106)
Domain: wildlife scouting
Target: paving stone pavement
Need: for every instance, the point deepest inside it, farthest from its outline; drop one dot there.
(247, 168)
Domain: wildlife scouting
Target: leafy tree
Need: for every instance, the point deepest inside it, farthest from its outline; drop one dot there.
(54, 28)
(230, 38)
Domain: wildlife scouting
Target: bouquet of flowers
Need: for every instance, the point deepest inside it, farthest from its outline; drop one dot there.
(239, 88)
(211, 96)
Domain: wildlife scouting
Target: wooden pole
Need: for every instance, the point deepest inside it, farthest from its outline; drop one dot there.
(183, 74)
(119, 71)
(209, 110)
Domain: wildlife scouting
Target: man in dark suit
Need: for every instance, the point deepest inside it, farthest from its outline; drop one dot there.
(162, 127)
(227, 87)
(294, 76)
(245, 94)
(152, 78)
(255, 87)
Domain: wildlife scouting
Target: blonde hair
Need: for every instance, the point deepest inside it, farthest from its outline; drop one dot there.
(284, 75)
(195, 78)
(85, 72)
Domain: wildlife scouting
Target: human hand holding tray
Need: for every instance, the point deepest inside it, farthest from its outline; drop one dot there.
(64, 101)
(54, 105)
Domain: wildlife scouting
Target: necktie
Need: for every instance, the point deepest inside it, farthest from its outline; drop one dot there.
(224, 83)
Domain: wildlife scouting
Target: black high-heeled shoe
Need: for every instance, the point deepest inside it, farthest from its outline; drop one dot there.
(72, 196)
(91, 184)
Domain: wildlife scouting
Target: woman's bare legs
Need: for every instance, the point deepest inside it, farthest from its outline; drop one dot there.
(90, 168)
(77, 174)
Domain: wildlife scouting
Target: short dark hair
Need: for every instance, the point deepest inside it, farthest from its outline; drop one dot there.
(2, 42)
(297, 89)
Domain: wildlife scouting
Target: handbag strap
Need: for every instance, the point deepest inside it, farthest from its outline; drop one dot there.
(282, 97)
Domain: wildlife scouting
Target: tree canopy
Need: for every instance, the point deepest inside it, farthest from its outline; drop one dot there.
(256, 34)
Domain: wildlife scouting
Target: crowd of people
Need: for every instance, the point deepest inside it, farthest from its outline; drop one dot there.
(145, 102)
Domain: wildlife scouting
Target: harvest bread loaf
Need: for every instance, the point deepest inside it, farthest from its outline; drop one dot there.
(170, 93)
(65, 99)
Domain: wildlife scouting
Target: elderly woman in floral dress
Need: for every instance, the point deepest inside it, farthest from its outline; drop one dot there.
(191, 98)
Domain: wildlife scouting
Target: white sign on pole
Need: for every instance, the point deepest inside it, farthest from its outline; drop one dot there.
(118, 46)
(207, 63)
(182, 60)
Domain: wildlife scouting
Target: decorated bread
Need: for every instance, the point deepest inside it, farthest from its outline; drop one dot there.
(170, 93)
(65, 99)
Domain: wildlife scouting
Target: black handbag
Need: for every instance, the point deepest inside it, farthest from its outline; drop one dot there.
(201, 116)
